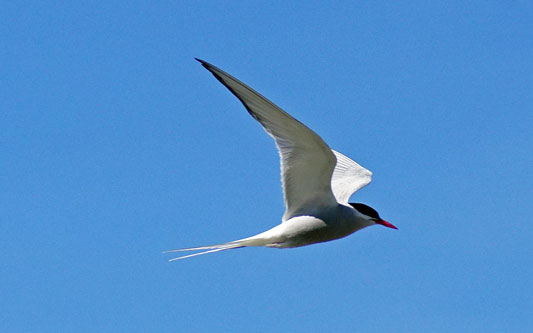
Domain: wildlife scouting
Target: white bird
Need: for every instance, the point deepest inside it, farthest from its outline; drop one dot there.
(317, 181)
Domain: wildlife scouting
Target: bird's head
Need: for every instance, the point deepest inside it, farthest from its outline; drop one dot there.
(370, 214)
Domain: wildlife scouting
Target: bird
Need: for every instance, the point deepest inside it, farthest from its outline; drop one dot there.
(317, 181)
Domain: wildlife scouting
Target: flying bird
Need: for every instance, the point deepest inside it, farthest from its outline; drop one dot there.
(317, 181)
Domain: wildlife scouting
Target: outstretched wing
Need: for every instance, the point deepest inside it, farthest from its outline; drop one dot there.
(348, 177)
(307, 163)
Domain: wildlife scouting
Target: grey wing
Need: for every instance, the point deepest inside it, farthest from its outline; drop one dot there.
(348, 177)
(307, 163)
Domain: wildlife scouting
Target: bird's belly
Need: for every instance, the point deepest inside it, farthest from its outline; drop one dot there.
(306, 230)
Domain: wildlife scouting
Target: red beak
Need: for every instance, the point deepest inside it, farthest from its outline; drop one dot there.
(387, 224)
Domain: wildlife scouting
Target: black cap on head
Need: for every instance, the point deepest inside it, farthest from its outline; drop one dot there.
(364, 209)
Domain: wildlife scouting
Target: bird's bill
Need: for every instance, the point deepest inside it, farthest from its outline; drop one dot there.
(387, 224)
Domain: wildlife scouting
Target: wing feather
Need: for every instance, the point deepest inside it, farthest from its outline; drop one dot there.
(348, 177)
(307, 162)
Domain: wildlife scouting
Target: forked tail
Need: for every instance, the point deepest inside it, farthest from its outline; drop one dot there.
(219, 247)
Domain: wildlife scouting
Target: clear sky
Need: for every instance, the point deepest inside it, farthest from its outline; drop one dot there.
(117, 145)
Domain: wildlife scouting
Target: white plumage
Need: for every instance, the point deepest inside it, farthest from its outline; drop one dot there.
(317, 182)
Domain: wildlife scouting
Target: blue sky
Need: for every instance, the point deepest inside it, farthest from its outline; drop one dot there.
(117, 145)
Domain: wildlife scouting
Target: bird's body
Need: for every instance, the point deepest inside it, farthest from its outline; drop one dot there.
(322, 225)
(317, 181)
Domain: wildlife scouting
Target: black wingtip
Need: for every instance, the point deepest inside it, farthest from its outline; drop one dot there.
(208, 66)
(204, 63)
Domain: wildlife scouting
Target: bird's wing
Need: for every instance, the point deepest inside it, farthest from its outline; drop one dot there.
(348, 177)
(307, 162)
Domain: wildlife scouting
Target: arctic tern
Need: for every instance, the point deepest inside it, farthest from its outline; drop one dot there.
(317, 181)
